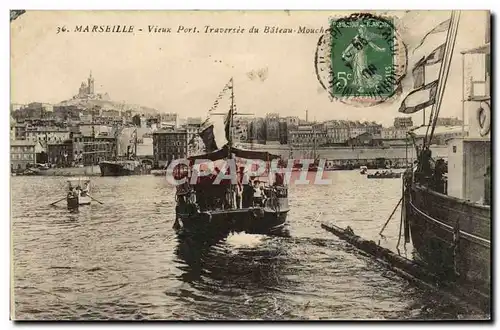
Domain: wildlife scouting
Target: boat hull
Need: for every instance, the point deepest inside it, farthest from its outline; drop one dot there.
(72, 202)
(451, 236)
(393, 176)
(120, 169)
(84, 200)
(251, 221)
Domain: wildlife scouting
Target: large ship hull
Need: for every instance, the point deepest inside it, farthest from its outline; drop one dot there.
(451, 236)
(121, 169)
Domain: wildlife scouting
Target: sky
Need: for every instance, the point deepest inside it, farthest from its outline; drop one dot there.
(184, 73)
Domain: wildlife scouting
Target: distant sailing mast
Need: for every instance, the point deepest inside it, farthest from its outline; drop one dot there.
(229, 122)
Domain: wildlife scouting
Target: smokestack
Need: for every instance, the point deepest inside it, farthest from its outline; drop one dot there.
(307, 111)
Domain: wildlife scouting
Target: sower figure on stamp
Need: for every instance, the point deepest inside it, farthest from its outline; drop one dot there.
(364, 76)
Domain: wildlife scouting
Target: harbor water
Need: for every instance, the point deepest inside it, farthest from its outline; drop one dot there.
(122, 259)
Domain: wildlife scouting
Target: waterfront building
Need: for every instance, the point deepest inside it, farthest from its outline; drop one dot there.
(306, 136)
(98, 149)
(444, 121)
(362, 140)
(22, 154)
(393, 133)
(337, 131)
(292, 121)
(272, 128)
(47, 134)
(403, 122)
(60, 153)
(257, 131)
(169, 145)
(283, 131)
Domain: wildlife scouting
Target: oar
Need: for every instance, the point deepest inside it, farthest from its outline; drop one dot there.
(58, 201)
(95, 199)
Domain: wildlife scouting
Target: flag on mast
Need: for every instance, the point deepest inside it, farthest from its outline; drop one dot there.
(440, 28)
(212, 129)
(426, 73)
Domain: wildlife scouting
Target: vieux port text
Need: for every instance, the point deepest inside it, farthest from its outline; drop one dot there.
(181, 29)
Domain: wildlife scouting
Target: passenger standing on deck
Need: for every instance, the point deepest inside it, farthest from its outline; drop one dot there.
(257, 193)
(247, 194)
(238, 194)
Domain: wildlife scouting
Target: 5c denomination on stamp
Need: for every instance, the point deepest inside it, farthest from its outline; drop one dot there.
(361, 59)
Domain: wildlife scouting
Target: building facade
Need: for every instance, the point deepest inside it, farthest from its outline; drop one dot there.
(403, 122)
(448, 122)
(60, 153)
(47, 134)
(169, 145)
(22, 154)
(393, 133)
(283, 131)
(337, 131)
(306, 136)
(272, 128)
(257, 131)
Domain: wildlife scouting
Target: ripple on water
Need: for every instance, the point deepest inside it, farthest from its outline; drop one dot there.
(122, 260)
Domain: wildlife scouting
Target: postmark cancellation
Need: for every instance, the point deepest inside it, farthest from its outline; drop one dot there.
(361, 59)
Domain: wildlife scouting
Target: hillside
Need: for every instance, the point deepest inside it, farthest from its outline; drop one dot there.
(108, 105)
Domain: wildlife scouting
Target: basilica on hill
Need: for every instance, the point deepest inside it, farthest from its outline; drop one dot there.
(86, 91)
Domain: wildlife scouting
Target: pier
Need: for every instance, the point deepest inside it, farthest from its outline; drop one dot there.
(409, 269)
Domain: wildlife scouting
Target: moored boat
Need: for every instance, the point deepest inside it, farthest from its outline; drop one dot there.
(384, 175)
(447, 210)
(122, 168)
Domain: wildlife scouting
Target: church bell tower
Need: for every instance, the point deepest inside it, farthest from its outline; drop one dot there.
(91, 83)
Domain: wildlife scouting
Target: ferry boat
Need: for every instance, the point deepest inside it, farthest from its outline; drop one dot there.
(78, 192)
(447, 211)
(206, 207)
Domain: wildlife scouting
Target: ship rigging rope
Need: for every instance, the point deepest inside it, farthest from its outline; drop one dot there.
(483, 241)
(443, 74)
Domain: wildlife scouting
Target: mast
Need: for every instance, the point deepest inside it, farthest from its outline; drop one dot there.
(444, 70)
(463, 94)
(135, 143)
(314, 143)
(231, 115)
(93, 141)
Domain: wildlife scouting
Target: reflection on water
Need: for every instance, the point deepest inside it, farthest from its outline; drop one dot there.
(122, 260)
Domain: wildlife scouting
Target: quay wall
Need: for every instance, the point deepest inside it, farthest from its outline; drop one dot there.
(349, 153)
(72, 171)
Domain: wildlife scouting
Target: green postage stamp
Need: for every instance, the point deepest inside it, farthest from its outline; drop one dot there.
(363, 58)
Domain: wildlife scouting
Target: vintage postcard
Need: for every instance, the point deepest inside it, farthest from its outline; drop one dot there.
(250, 165)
